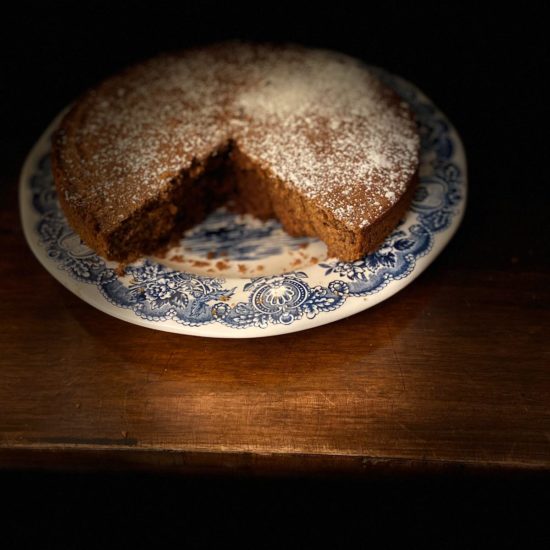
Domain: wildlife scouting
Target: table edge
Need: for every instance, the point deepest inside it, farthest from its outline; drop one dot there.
(97, 458)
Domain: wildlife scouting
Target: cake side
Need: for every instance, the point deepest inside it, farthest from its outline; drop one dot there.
(261, 193)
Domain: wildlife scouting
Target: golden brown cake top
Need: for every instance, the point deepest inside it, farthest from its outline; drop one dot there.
(319, 120)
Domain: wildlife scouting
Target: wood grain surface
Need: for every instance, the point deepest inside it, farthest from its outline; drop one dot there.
(452, 370)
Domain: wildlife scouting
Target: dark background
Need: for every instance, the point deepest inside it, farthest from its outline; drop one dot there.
(485, 68)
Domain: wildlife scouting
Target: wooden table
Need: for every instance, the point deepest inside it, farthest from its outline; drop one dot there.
(453, 370)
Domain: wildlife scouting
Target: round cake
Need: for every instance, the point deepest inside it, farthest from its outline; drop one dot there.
(310, 137)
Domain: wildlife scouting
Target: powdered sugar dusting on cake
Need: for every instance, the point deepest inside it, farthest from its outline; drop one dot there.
(317, 120)
(335, 133)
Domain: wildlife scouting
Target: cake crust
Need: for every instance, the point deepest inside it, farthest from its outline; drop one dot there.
(310, 137)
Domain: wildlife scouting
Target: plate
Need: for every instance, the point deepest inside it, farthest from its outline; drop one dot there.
(236, 277)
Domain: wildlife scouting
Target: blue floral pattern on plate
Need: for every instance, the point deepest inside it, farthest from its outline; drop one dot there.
(155, 293)
(239, 238)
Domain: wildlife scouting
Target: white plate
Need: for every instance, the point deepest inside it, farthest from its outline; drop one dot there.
(236, 277)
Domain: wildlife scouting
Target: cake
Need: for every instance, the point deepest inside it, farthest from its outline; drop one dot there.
(310, 137)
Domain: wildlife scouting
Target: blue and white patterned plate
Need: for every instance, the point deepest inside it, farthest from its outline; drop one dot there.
(236, 277)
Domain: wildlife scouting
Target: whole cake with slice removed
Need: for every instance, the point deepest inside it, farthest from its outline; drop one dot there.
(310, 137)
